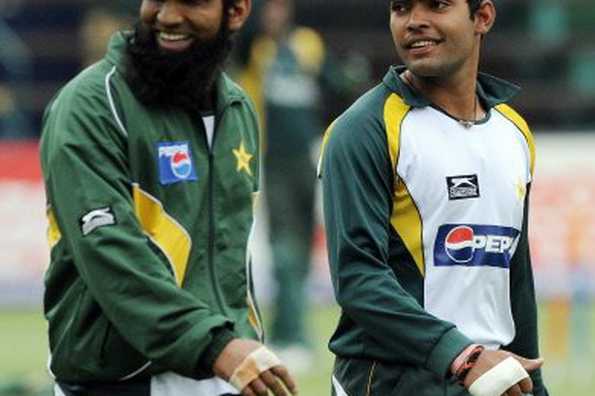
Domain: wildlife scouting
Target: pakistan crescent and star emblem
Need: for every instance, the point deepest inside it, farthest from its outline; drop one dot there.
(243, 159)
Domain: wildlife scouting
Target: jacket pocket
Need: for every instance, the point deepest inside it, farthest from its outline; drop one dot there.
(382, 379)
(419, 382)
(363, 377)
(119, 359)
(97, 352)
(86, 334)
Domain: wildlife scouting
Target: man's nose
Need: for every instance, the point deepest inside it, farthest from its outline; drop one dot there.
(418, 16)
(170, 14)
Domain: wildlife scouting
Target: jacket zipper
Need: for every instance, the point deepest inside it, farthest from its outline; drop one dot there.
(211, 205)
(211, 245)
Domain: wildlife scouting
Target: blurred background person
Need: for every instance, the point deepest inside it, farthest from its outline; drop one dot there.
(283, 78)
(15, 68)
(288, 74)
(102, 19)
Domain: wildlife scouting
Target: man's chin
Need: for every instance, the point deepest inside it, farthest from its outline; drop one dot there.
(431, 68)
(424, 69)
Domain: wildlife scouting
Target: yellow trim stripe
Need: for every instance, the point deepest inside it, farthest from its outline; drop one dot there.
(370, 377)
(325, 138)
(395, 110)
(164, 231)
(253, 318)
(521, 124)
(405, 219)
(53, 233)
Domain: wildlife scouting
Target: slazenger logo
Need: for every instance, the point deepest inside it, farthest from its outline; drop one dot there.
(475, 245)
(97, 218)
(462, 187)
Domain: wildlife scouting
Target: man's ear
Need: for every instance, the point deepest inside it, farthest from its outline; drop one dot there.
(485, 17)
(238, 13)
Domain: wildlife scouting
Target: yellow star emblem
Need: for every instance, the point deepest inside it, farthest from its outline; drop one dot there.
(243, 159)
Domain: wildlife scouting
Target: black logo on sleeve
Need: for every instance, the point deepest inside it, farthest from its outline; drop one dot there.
(462, 187)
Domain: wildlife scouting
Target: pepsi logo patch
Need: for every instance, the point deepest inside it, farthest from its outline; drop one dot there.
(475, 245)
(175, 162)
(462, 187)
(459, 244)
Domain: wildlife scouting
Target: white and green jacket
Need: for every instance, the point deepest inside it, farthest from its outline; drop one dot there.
(426, 223)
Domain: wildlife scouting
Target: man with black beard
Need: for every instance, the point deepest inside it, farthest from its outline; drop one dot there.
(151, 166)
(185, 79)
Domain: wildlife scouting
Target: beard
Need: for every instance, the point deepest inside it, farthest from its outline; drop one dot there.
(160, 78)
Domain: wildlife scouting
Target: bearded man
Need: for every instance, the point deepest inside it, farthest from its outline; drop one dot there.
(150, 160)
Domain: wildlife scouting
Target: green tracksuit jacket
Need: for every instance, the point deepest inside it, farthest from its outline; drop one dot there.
(148, 229)
(426, 224)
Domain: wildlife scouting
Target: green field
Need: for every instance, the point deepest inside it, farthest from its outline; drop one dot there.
(24, 353)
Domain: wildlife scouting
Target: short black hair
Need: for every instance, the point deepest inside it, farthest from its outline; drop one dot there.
(474, 6)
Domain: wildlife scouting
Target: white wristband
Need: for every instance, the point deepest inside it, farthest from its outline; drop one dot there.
(499, 378)
(253, 365)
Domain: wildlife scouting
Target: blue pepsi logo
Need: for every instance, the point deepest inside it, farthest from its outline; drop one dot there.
(475, 245)
(181, 165)
(175, 162)
(459, 244)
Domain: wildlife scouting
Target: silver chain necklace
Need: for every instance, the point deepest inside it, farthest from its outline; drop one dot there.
(465, 123)
(469, 123)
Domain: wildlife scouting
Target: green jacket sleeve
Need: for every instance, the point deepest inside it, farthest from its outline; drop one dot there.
(84, 160)
(524, 307)
(357, 196)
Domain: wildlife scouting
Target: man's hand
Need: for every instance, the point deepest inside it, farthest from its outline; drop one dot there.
(245, 359)
(491, 365)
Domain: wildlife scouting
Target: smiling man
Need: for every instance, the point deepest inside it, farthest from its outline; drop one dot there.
(426, 188)
(150, 159)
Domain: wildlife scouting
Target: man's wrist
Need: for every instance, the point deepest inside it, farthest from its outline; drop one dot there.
(465, 361)
(221, 337)
(445, 350)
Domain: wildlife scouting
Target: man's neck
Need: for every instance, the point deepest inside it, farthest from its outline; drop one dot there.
(456, 94)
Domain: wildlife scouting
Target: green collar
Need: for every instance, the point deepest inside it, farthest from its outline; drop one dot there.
(228, 92)
(491, 90)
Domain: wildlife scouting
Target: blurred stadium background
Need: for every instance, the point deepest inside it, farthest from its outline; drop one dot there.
(546, 46)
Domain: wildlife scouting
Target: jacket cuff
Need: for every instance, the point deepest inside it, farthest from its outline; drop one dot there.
(221, 337)
(446, 350)
(538, 386)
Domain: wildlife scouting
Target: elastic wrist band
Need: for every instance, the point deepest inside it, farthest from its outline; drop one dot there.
(471, 355)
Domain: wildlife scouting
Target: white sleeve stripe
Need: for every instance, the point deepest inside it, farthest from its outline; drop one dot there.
(58, 391)
(338, 388)
(136, 372)
(110, 98)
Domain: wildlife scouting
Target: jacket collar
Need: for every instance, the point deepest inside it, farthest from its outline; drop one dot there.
(228, 92)
(491, 90)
